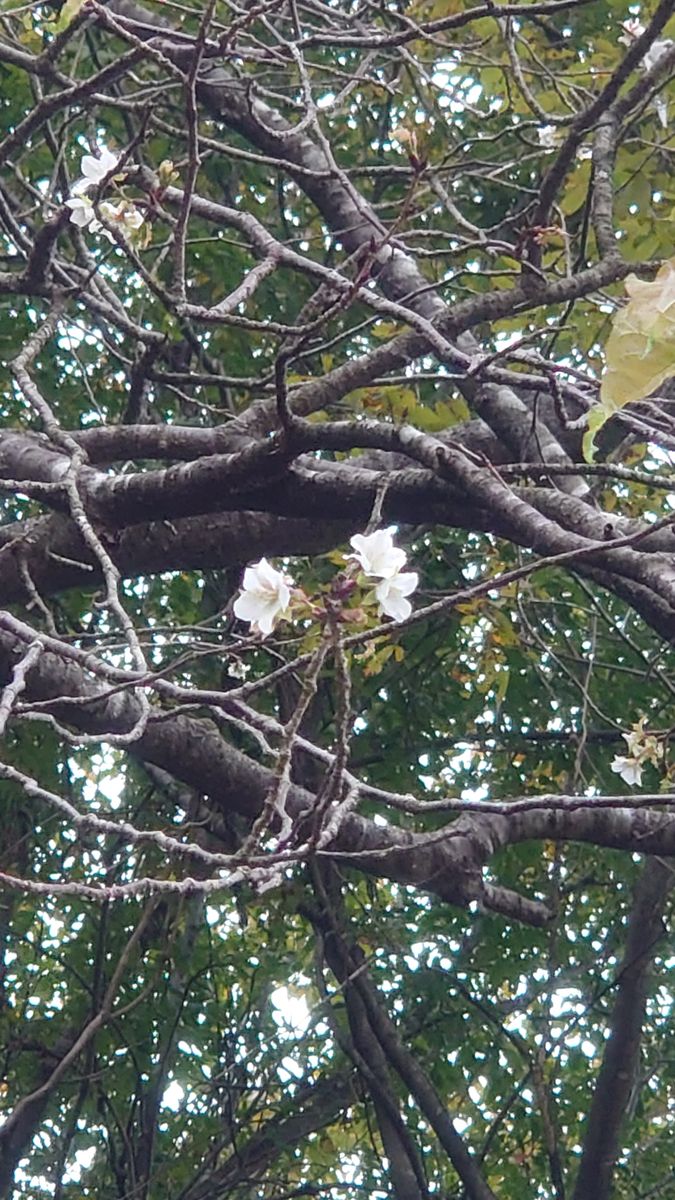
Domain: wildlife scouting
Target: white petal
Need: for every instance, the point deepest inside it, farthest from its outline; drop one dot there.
(112, 212)
(97, 167)
(247, 606)
(359, 542)
(406, 582)
(393, 605)
(269, 582)
(91, 167)
(133, 219)
(266, 621)
(94, 170)
(81, 186)
(377, 554)
(81, 212)
(391, 595)
(629, 769)
(251, 581)
(661, 107)
(283, 596)
(267, 575)
(108, 161)
(259, 613)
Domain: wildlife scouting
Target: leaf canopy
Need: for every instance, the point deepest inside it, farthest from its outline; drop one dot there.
(363, 907)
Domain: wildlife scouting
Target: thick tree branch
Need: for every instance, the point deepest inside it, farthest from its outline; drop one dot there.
(617, 1078)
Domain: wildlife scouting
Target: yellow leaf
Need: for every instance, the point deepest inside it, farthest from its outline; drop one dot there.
(377, 661)
(443, 415)
(386, 329)
(640, 350)
(390, 398)
(596, 419)
(30, 37)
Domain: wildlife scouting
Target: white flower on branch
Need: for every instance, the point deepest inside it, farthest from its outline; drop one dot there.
(633, 29)
(94, 171)
(643, 748)
(378, 557)
(377, 554)
(124, 215)
(641, 744)
(264, 597)
(629, 769)
(391, 594)
(82, 212)
(548, 137)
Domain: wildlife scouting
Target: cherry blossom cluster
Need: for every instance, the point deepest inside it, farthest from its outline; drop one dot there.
(124, 215)
(643, 748)
(380, 559)
(265, 596)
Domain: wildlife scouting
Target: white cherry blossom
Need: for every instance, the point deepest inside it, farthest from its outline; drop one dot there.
(639, 743)
(655, 52)
(629, 769)
(94, 171)
(124, 215)
(391, 594)
(633, 29)
(81, 211)
(548, 137)
(377, 554)
(265, 595)
(82, 214)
